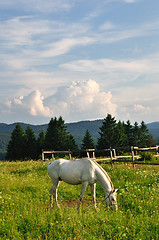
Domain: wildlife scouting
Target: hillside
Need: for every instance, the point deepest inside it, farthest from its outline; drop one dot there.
(154, 130)
(77, 129)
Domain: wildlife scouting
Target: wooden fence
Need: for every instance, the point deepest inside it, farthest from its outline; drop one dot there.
(52, 152)
(133, 158)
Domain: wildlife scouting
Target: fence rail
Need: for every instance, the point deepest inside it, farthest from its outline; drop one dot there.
(52, 152)
(134, 158)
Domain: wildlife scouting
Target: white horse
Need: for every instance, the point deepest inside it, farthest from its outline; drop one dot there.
(85, 172)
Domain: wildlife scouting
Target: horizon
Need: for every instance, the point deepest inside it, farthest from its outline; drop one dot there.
(76, 122)
(79, 59)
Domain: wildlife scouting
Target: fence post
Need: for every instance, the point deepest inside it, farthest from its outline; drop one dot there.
(53, 156)
(114, 153)
(70, 154)
(111, 156)
(133, 157)
(42, 155)
(87, 153)
(94, 154)
(157, 149)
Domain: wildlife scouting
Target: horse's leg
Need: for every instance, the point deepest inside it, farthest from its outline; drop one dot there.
(53, 193)
(51, 196)
(83, 189)
(93, 193)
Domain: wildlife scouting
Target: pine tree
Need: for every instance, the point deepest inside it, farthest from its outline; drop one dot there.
(30, 144)
(129, 133)
(15, 149)
(150, 141)
(40, 143)
(107, 133)
(146, 138)
(57, 136)
(62, 134)
(121, 137)
(87, 142)
(51, 136)
(71, 144)
(136, 135)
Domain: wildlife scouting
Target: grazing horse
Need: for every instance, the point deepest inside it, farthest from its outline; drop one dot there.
(85, 172)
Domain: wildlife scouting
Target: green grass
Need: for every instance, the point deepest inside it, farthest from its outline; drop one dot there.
(25, 212)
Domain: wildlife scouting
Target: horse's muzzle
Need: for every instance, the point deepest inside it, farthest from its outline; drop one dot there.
(114, 207)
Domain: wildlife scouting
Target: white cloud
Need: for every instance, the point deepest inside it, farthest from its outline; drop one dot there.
(140, 108)
(32, 104)
(20, 31)
(81, 100)
(149, 65)
(27, 42)
(38, 5)
(65, 45)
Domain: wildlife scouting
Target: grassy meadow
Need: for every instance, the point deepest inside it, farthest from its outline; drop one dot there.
(25, 212)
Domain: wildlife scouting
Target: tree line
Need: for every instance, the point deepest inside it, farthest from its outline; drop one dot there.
(23, 145)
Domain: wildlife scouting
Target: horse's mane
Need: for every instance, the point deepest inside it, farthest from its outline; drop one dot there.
(106, 174)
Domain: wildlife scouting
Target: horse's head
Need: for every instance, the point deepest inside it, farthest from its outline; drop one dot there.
(111, 199)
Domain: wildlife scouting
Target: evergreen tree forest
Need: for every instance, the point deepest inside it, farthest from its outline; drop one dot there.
(113, 134)
(24, 146)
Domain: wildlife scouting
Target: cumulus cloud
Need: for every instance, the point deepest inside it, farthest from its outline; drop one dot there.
(81, 100)
(31, 104)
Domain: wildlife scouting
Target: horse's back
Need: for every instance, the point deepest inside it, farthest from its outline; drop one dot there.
(69, 163)
(56, 162)
(72, 172)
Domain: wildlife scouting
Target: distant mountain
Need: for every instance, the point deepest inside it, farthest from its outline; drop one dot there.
(154, 130)
(77, 129)
(9, 127)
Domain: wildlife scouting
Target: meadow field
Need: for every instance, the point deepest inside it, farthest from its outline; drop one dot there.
(25, 212)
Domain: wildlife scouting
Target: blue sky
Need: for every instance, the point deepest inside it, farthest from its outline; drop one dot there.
(79, 59)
